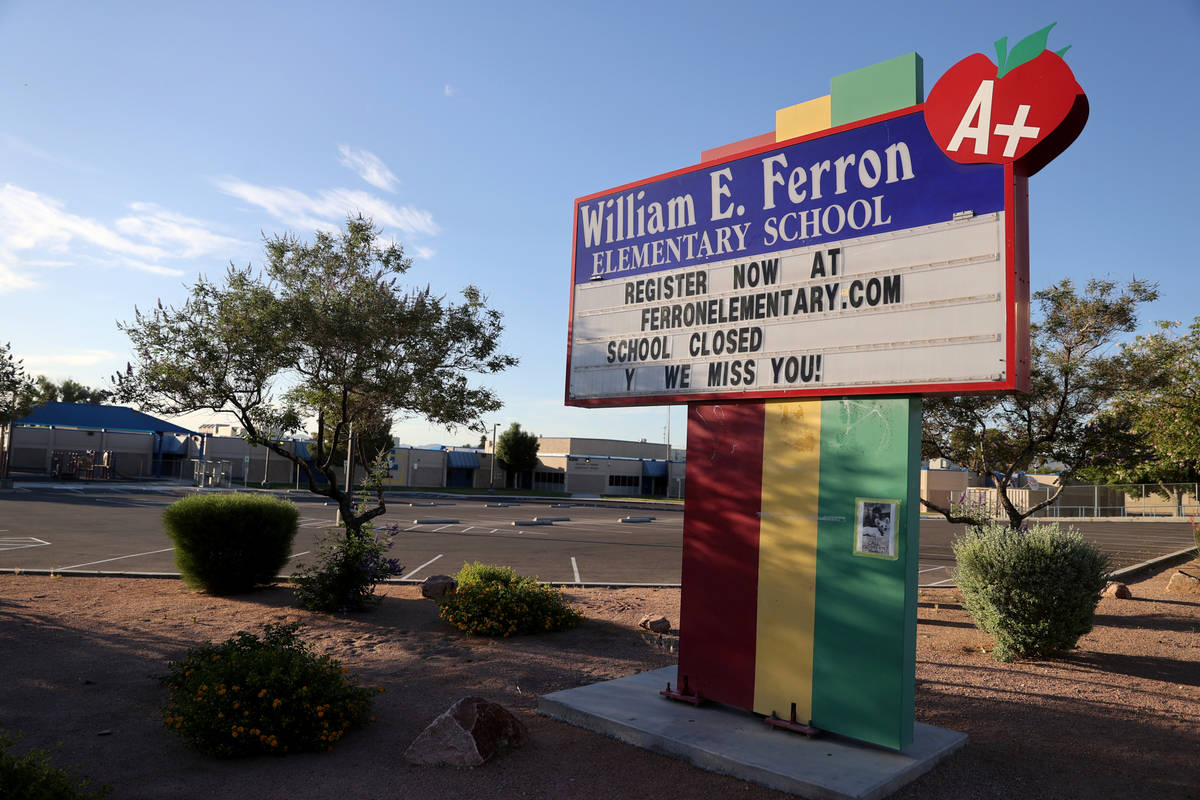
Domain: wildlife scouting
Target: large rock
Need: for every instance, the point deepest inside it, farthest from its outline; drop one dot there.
(1118, 590)
(435, 587)
(1183, 583)
(469, 733)
(658, 624)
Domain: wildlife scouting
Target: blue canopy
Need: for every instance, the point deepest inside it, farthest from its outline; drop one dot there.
(462, 459)
(654, 469)
(85, 415)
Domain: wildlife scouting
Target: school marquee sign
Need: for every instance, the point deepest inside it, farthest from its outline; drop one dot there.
(866, 259)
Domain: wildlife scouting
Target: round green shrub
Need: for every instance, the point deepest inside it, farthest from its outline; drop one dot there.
(31, 777)
(1034, 590)
(249, 696)
(230, 543)
(496, 601)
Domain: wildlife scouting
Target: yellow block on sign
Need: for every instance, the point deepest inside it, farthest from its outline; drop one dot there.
(787, 558)
(803, 118)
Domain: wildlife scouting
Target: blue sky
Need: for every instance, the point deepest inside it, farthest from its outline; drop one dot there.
(142, 144)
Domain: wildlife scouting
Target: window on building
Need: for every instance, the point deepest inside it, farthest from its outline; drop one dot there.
(624, 480)
(550, 477)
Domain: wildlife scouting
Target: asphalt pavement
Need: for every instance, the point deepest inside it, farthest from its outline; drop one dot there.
(117, 529)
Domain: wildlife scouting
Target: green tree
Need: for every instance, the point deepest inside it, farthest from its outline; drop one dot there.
(1074, 378)
(326, 333)
(516, 450)
(69, 391)
(1161, 414)
(16, 399)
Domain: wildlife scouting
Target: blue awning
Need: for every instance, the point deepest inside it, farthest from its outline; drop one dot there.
(654, 469)
(462, 459)
(84, 415)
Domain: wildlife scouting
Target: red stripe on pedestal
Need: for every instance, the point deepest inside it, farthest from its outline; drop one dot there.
(719, 603)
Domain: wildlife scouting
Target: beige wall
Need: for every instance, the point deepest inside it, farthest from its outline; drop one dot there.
(604, 447)
(483, 475)
(592, 476)
(410, 466)
(943, 486)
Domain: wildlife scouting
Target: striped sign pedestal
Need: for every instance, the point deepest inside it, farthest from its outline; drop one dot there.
(785, 608)
(781, 612)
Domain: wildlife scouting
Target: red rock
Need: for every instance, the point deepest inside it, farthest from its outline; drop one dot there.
(469, 733)
(1118, 590)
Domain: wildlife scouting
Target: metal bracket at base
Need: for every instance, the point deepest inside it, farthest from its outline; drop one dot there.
(683, 695)
(791, 724)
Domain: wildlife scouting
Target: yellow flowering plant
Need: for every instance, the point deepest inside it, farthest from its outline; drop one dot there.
(250, 696)
(496, 601)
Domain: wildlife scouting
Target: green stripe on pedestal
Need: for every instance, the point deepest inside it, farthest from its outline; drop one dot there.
(864, 633)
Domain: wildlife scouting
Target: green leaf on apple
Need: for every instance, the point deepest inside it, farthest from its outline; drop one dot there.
(1023, 51)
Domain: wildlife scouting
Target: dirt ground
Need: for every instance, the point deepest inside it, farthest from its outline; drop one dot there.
(1117, 717)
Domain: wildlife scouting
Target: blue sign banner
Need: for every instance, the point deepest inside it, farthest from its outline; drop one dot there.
(868, 179)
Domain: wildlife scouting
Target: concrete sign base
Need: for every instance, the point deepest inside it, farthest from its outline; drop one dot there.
(737, 743)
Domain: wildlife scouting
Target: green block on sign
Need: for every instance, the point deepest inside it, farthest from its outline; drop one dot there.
(877, 89)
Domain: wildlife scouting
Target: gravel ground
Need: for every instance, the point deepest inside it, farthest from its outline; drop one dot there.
(1118, 715)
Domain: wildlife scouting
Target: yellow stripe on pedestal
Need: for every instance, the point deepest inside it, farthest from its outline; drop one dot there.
(787, 558)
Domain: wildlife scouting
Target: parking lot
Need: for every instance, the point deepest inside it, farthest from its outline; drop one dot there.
(118, 530)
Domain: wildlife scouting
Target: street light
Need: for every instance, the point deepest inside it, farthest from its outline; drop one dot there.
(492, 464)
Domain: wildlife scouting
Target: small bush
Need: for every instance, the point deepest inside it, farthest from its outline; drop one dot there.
(477, 572)
(1035, 590)
(30, 777)
(248, 696)
(496, 601)
(230, 543)
(348, 569)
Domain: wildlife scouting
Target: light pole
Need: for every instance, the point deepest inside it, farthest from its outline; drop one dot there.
(492, 464)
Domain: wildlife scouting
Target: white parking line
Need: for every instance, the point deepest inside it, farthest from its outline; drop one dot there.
(575, 569)
(929, 569)
(118, 558)
(297, 555)
(20, 543)
(423, 566)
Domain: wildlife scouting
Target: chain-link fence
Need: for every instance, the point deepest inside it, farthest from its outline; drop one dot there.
(1147, 500)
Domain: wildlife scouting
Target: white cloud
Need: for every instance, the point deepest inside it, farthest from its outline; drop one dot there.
(329, 207)
(29, 220)
(34, 225)
(423, 252)
(450, 91)
(20, 145)
(88, 366)
(185, 236)
(369, 167)
(11, 280)
(154, 269)
(79, 358)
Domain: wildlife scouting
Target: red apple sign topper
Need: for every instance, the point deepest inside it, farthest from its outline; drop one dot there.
(1026, 110)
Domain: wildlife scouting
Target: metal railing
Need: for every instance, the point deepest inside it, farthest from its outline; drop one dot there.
(1146, 500)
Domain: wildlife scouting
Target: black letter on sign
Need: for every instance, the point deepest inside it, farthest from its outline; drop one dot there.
(818, 267)
(629, 379)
